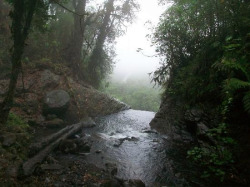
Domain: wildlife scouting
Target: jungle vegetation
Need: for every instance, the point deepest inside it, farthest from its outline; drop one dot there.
(78, 34)
(205, 51)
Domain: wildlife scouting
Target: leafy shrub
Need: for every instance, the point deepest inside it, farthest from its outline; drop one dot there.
(215, 160)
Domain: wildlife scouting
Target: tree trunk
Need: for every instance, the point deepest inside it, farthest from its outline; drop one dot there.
(74, 53)
(20, 28)
(96, 56)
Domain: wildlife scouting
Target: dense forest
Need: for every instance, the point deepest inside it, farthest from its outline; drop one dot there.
(205, 69)
(55, 54)
(85, 45)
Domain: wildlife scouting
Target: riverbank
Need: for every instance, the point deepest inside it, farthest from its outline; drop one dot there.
(202, 150)
(48, 98)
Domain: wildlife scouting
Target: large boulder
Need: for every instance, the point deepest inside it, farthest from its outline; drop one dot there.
(56, 102)
(49, 79)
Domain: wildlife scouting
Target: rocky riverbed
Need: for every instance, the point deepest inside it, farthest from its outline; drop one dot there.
(120, 150)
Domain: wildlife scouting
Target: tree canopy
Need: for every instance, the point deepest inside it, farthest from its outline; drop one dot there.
(74, 33)
(204, 46)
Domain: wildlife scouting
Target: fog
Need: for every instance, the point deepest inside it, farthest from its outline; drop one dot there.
(129, 62)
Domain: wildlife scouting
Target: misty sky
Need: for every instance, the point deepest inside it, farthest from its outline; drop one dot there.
(128, 61)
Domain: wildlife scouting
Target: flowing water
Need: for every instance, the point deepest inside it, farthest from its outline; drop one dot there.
(125, 139)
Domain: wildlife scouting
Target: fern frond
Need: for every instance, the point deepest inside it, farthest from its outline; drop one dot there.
(227, 65)
(246, 102)
(233, 84)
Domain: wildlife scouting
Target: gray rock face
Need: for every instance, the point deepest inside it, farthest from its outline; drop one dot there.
(202, 129)
(49, 79)
(56, 102)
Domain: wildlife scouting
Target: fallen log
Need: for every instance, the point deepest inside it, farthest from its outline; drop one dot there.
(87, 122)
(30, 165)
(36, 147)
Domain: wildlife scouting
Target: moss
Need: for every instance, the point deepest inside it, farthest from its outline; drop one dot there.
(16, 122)
(18, 152)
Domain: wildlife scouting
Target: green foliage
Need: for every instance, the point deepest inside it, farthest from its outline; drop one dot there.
(215, 160)
(246, 101)
(15, 121)
(48, 41)
(235, 63)
(205, 50)
(235, 84)
(136, 94)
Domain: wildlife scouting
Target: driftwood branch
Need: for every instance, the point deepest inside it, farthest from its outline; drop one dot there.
(36, 147)
(48, 145)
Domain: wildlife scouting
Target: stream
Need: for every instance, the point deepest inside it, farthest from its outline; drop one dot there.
(126, 140)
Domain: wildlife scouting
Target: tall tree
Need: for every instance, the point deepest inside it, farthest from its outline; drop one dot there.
(74, 52)
(113, 24)
(21, 15)
(98, 53)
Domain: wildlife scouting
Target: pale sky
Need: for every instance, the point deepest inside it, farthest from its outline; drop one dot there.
(130, 62)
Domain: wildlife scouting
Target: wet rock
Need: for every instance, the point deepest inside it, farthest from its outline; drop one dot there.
(85, 148)
(56, 102)
(203, 137)
(150, 131)
(117, 144)
(186, 136)
(55, 123)
(51, 167)
(98, 151)
(133, 139)
(68, 146)
(134, 183)
(111, 168)
(82, 145)
(88, 122)
(112, 134)
(121, 140)
(155, 140)
(8, 139)
(202, 129)
(194, 115)
(77, 136)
